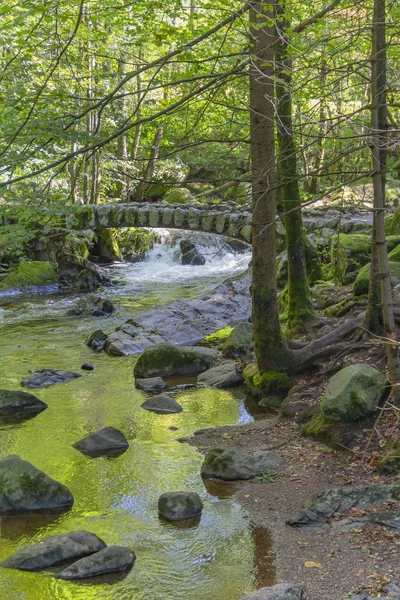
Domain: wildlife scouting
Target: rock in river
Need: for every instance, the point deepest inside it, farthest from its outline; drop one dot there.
(55, 549)
(240, 341)
(222, 376)
(47, 377)
(151, 384)
(109, 560)
(162, 404)
(26, 489)
(282, 591)
(233, 463)
(14, 403)
(165, 360)
(104, 441)
(179, 506)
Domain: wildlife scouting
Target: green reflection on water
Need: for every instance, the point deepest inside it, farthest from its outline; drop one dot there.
(117, 498)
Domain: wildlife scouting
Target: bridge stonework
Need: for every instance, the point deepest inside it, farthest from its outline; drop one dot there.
(223, 221)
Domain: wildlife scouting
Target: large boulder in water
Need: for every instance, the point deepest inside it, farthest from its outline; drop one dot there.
(240, 341)
(47, 377)
(222, 376)
(190, 254)
(104, 441)
(282, 591)
(179, 506)
(55, 549)
(162, 404)
(16, 403)
(165, 360)
(109, 560)
(29, 274)
(230, 464)
(23, 489)
(354, 392)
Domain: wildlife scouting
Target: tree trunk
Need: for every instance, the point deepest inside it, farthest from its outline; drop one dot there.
(300, 309)
(379, 134)
(270, 347)
(122, 183)
(151, 165)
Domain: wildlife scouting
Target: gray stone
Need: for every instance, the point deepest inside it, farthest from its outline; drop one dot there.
(109, 560)
(16, 403)
(190, 254)
(103, 441)
(23, 489)
(87, 366)
(353, 393)
(179, 506)
(233, 463)
(222, 376)
(96, 340)
(151, 384)
(165, 360)
(240, 341)
(120, 343)
(282, 591)
(162, 404)
(47, 377)
(55, 549)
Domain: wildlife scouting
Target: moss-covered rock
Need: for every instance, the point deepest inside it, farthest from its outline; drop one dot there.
(240, 193)
(353, 393)
(348, 254)
(390, 461)
(178, 196)
(240, 341)
(361, 283)
(269, 383)
(30, 274)
(165, 360)
(179, 506)
(106, 246)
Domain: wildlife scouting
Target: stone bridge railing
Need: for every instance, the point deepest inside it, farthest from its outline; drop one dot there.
(223, 221)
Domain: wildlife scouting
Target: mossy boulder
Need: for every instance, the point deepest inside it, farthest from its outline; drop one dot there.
(178, 196)
(109, 560)
(240, 341)
(390, 461)
(165, 360)
(348, 254)
(106, 247)
(15, 403)
(240, 193)
(230, 464)
(28, 274)
(353, 393)
(269, 383)
(24, 489)
(179, 506)
(361, 283)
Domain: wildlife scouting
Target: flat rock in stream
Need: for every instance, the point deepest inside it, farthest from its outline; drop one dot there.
(109, 560)
(16, 403)
(162, 404)
(25, 489)
(151, 384)
(166, 360)
(103, 442)
(47, 377)
(222, 376)
(282, 591)
(55, 549)
(230, 464)
(325, 504)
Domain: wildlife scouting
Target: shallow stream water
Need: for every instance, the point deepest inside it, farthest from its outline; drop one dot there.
(222, 556)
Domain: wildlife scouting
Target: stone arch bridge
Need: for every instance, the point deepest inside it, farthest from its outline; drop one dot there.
(224, 220)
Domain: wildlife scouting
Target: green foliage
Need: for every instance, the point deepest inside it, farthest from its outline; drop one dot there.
(266, 475)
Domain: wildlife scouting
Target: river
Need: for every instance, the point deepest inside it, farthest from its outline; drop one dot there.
(220, 558)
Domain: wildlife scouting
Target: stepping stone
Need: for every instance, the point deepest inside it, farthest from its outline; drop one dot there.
(109, 560)
(179, 506)
(222, 376)
(14, 403)
(230, 464)
(151, 384)
(108, 440)
(55, 549)
(47, 377)
(162, 405)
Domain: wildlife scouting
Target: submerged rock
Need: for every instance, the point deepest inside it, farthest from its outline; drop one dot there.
(109, 560)
(282, 591)
(92, 305)
(240, 341)
(26, 489)
(55, 549)
(165, 360)
(179, 506)
(222, 376)
(354, 392)
(47, 377)
(14, 403)
(233, 463)
(162, 404)
(325, 504)
(96, 340)
(151, 384)
(103, 441)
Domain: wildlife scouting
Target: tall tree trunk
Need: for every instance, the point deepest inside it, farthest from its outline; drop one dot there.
(151, 164)
(379, 135)
(122, 148)
(300, 309)
(270, 347)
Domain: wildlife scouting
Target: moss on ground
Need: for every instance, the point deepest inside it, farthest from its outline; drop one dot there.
(30, 274)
